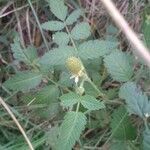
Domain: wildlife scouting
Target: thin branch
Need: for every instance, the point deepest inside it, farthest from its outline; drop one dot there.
(16, 122)
(140, 49)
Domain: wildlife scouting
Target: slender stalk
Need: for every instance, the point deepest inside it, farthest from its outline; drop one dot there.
(88, 79)
(38, 22)
(72, 41)
(16, 122)
(95, 87)
(78, 106)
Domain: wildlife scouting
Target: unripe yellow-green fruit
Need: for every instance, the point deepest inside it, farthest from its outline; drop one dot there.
(74, 65)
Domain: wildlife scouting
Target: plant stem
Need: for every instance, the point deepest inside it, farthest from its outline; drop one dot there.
(95, 87)
(88, 79)
(57, 84)
(72, 41)
(78, 106)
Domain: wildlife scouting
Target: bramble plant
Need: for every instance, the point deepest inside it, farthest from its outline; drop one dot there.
(69, 78)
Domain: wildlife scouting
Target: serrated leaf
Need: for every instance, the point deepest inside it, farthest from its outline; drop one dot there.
(121, 126)
(137, 102)
(73, 16)
(91, 103)
(58, 8)
(70, 130)
(61, 38)
(18, 51)
(117, 64)
(96, 48)
(69, 99)
(146, 139)
(57, 56)
(53, 25)
(23, 81)
(25, 55)
(81, 31)
(88, 101)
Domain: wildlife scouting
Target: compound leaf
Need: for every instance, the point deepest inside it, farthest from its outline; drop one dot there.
(118, 65)
(69, 99)
(137, 102)
(70, 130)
(53, 25)
(23, 81)
(96, 48)
(81, 31)
(58, 8)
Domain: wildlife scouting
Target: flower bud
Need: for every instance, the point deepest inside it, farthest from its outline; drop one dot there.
(74, 65)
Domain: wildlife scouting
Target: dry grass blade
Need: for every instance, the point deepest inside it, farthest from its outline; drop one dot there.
(16, 122)
(140, 49)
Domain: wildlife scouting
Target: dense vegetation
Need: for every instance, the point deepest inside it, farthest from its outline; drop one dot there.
(70, 84)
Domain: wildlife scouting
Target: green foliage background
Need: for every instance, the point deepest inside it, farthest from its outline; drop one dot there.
(108, 106)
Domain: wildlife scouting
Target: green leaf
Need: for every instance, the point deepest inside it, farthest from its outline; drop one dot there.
(48, 112)
(57, 56)
(89, 90)
(52, 136)
(18, 51)
(146, 139)
(117, 64)
(69, 99)
(88, 101)
(91, 103)
(96, 48)
(58, 8)
(122, 145)
(23, 81)
(81, 31)
(25, 55)
(73, 16)
(31, 53)
(121, 126)
(137, 102)
(112, 30)
(46, 95)
(70, 130)
(53, 25)
(64, 79)
(61, 38)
